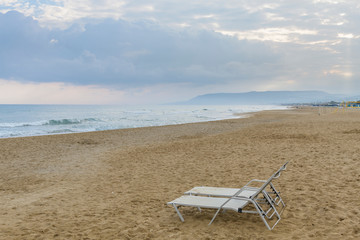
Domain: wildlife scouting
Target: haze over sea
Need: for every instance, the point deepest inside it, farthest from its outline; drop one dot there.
(33, 120)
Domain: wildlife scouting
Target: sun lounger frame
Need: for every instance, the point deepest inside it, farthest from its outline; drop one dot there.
(273, 194)
(253, 199)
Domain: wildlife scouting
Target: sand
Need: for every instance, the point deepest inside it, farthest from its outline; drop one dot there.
(115, 184)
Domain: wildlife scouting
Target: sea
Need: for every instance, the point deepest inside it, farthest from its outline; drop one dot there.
(35, 120)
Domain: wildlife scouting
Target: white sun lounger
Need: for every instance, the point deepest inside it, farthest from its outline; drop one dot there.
(237, 202)
(247, 190)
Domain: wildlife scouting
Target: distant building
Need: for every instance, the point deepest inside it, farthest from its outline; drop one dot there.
(355, 104)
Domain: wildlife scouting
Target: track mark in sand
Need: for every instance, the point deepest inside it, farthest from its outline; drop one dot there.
(18, 200)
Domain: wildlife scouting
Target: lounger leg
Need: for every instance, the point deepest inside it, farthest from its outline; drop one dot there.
(217, 212)
(257, 207)
(275, 212)
(199, 209)
(263, 214)
(178, 212)
(272, 206)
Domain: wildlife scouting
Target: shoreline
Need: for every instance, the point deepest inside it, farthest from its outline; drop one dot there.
(245, 115)
(55, 125)
(114, 184)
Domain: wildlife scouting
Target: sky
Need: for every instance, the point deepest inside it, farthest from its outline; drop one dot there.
(151, 52)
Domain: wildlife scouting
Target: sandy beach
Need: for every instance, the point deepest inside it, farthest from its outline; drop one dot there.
(115, 184)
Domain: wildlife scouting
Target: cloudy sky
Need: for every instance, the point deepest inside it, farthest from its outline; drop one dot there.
(141, 51)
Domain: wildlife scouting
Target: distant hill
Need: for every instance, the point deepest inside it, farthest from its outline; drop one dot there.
(264, 98)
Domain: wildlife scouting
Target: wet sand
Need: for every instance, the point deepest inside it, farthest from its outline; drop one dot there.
(115, 184)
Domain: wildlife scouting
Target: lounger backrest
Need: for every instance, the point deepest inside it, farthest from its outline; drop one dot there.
(275, 175)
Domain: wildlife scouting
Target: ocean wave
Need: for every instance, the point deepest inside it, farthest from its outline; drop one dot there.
(66, 121)
(61, 131)
(14, 125)
(63, 122)
(51, 122)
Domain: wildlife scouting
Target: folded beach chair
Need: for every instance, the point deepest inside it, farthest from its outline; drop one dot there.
(237, 202)
(247, 190)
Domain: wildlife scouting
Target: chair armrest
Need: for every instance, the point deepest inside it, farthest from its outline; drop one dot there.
(254, 180)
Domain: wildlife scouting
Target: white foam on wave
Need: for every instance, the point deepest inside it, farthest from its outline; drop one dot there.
(21, 124)
(47, 122)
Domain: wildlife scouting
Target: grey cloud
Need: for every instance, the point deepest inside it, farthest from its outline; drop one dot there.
(138, 52)
(122, 54)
